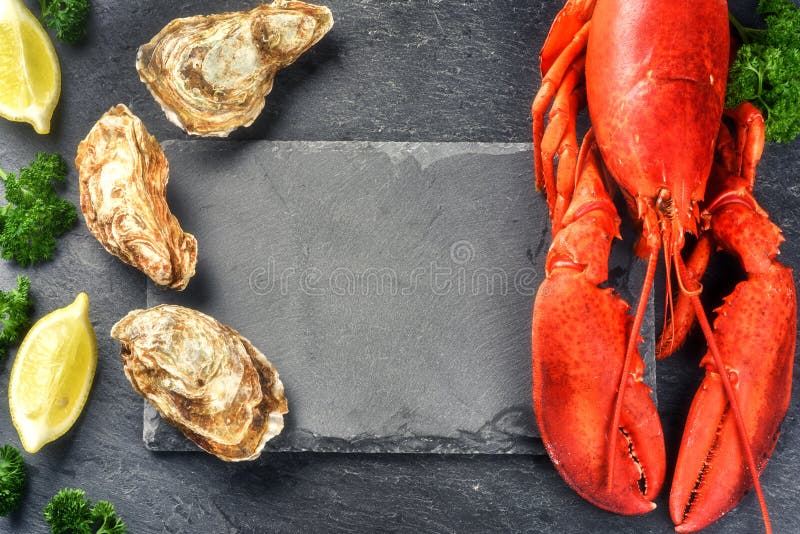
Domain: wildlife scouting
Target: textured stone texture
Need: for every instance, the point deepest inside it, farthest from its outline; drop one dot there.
(390, 283)
(399, 77)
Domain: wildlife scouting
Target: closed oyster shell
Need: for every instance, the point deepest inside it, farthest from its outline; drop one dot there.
(211, 74)
(123, 180)
(204, 378)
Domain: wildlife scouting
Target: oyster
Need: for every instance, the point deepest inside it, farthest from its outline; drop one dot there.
(123, 180)
(204, 378)
(211, 74)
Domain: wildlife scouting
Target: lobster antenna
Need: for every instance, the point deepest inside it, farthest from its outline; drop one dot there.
(680, 271)
(633, 342)
(669, 306)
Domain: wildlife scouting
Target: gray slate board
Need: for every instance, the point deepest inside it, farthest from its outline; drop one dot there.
(390, 283)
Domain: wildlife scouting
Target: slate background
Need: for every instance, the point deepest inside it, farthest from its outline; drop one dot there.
(401, 71)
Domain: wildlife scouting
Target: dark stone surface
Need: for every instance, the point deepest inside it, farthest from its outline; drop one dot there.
(396, 70)
(389, 71)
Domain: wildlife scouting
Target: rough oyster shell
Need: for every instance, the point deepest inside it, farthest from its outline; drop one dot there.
(204, 378)
(123, 180)
(211, 74)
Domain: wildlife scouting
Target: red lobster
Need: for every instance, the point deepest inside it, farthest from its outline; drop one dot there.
(653, 75)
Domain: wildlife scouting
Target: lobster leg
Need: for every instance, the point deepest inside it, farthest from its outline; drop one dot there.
(749, 139)
(565, 46)
(580, 337)
(568, 23)
(681, 320)
(567, 160)
(734, 156)
(560, 137)
(754, 338)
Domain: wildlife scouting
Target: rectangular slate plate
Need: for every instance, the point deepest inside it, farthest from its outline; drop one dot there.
(390, 283)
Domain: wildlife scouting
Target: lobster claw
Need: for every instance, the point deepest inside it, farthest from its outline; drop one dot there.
(755, 334)
(580, 335)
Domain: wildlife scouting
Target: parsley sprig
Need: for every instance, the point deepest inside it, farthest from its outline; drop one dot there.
(15, 308)
(766, 70)
(70, 512)
(67, 17)
(34, 216)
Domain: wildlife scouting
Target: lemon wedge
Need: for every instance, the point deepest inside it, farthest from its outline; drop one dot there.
(30, 78)
(52, 374)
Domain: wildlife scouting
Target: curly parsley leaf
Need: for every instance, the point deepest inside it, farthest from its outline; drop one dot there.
(67, 17)
(766, 70)
(35, 216)
(104, 515)
(12, 479)
(15, 307)
(70, 512)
